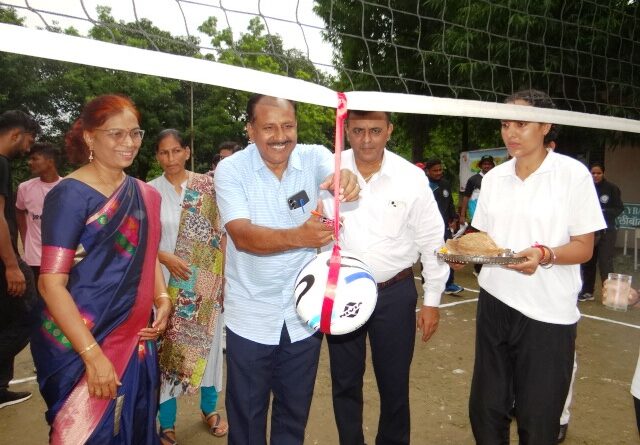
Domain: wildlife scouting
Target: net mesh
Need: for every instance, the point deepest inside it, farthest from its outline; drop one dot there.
(185, 27)
(585, 54)
(439, 64)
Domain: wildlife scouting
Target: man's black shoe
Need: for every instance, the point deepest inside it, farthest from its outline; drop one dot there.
(586, 296)
(11, 398)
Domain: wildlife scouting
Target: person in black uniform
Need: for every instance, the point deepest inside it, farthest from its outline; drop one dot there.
(472, 189)
(471, 193)
(605, 242)
(442, 193)
(17, 288)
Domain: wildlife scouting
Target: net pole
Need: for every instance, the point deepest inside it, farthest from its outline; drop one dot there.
(192, 142)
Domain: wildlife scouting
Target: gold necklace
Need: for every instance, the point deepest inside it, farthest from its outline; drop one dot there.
(373, 173)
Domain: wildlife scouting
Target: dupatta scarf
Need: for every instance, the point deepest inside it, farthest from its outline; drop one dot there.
(187, 342)
(108, 247)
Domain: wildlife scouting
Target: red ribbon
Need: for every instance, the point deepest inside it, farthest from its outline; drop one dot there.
(334, 262)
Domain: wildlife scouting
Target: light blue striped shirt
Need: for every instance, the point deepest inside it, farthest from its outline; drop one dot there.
(259, 288)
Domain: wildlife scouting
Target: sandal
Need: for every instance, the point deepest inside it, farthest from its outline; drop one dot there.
(168, 436)
(217, 426)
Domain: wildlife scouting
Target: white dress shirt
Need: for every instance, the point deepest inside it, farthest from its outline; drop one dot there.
(395, 221)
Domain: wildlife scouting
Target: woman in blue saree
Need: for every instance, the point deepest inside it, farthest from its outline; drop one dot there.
(94, 348)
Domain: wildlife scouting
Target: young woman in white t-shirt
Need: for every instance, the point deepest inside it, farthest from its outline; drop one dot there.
(542, 205)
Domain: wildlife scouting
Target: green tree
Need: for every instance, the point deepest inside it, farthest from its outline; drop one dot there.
(26, 84)
(265, 52)
(56, 91)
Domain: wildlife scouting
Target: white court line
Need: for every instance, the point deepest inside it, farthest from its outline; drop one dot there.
(611, 321)
(26, 379)
(593, 317)
(455, 303)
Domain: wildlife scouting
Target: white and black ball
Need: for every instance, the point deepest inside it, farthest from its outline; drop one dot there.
(355, 295)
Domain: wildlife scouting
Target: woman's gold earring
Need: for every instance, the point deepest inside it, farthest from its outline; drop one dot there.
(89, 142)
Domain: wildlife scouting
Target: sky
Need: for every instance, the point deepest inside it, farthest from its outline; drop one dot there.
(165, 14)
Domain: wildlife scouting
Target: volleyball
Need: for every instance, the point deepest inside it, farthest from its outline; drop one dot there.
(355, 296)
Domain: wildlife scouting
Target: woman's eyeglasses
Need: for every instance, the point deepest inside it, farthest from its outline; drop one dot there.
(119, 134)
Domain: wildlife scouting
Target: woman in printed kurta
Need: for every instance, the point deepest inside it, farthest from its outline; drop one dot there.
(191, 253)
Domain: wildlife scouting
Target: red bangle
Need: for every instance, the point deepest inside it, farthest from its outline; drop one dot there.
(552, 256)
(544, 253)
(552, 259)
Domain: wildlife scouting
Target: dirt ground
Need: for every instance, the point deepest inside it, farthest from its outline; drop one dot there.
(602, 411)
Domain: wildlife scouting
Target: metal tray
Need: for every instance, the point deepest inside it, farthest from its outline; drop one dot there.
(505, 258)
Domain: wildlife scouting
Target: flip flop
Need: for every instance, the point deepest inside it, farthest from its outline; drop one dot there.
(218, 428)
(164, 436)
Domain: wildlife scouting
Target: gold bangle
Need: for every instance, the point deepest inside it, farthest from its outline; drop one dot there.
(163, 295)
(88, 348)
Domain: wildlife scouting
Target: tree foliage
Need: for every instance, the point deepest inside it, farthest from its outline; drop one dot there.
(265, 52)
(581, 53)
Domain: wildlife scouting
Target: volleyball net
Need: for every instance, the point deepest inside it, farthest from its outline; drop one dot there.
(435, 57)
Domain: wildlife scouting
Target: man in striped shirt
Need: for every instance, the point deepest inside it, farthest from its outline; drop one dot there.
(266, 194)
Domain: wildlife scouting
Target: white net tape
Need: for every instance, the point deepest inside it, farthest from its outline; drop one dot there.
(49, 45)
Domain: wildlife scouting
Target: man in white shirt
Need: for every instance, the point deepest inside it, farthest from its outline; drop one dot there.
(395, 222)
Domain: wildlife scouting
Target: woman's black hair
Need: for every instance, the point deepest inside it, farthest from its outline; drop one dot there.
(597, 164)
(166, 133)
(540, 99)
(253, 101)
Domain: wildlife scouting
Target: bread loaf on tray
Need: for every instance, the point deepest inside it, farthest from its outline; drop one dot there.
(475, 244)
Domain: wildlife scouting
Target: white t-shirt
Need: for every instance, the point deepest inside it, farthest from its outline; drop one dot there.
(30, 198)
(555, 202)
